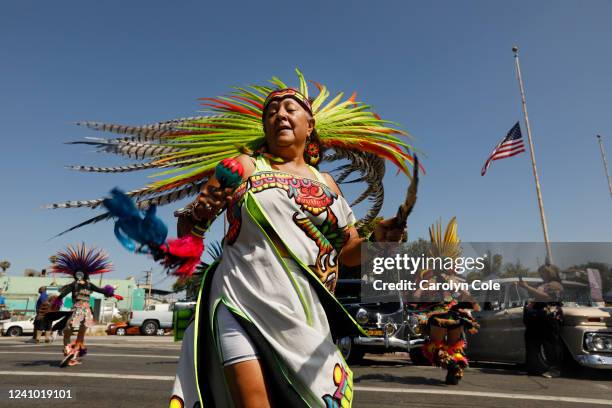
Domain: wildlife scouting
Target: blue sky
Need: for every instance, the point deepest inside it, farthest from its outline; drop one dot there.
(443, 69)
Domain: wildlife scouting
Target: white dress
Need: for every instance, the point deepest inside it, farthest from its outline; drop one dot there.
(279, 260)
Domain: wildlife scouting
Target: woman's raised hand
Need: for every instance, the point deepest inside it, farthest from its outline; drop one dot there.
(388, 231)
(521, 284)
(211, 201)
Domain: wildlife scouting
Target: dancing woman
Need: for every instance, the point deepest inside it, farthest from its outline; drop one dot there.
(266, 318)
(445, 315)
(80, 262)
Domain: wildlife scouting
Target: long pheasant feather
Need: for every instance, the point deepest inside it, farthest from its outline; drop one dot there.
(187, 149)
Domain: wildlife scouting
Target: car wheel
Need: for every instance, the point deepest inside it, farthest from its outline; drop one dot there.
(149, 328)
(535, 358)
(14, 331)
(351, 352)
(417, 358)
(121, 331)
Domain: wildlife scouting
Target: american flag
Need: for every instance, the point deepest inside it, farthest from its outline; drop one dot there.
(511, 145)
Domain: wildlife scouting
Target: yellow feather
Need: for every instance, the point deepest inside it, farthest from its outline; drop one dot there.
(447, 244)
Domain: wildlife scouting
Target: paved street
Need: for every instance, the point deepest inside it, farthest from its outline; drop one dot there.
(138, 372)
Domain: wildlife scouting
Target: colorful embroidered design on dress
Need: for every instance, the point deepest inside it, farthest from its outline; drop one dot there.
(312, 197)
(343, 395)
(309, 194)
(329, 240)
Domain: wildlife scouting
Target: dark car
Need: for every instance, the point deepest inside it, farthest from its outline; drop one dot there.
(390, 325)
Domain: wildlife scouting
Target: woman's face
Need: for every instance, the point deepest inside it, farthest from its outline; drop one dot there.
(286, 124)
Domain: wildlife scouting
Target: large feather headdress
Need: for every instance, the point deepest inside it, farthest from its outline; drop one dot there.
(445, 244)
(187, 150)
(90, 261)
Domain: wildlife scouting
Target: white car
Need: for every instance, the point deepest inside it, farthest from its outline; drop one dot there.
(156, 317)
(17, 328)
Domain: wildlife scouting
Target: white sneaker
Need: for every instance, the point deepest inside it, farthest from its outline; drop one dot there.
(552, 373)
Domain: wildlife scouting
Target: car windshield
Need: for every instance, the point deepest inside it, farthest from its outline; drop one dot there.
(517, 296)
(577, 296)
(491, 300)
(574, 294)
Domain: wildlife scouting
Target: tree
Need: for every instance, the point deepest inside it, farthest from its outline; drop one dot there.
(492, 268)
(29, 272)
(418, 248)
(493, 265)
(514, 270)
(183, 283)
(4, 265)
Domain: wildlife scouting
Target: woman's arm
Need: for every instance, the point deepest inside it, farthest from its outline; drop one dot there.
(540, 295)
(65, 290)
(350, 255)
(107, 291)
(57, 303)
(210, 201)
(385, 231)
(94, 288)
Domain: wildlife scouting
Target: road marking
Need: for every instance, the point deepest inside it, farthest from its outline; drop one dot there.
(161, 347)
(89, 375)
(357, 388)
(93, 354)
(487, 394)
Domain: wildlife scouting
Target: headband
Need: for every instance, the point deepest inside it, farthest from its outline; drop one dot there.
(288, 93)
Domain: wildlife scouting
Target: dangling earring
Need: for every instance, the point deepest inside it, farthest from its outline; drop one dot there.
(312, 152)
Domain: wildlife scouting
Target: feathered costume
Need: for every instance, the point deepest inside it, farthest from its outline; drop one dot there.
(188, 149)
(283, 301)
(80, 263)
(451, 312)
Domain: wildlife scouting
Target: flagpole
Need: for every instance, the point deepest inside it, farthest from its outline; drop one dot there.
(605, 162)
(533, 161)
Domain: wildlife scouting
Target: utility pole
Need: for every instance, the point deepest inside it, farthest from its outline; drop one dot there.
(148, 275)
(605, 162)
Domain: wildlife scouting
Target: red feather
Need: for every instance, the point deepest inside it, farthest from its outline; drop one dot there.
(251, 101)
(317, 84)
(231, 106)
(188, 250)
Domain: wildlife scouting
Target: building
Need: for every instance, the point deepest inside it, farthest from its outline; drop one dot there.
(21, 293)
